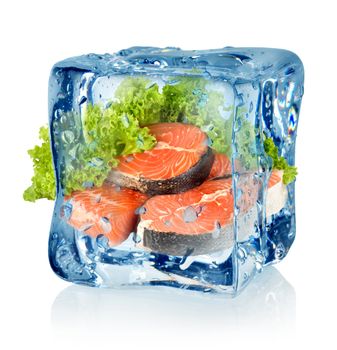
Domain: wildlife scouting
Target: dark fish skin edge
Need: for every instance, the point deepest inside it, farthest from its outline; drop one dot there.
(172, 243)
(194, 177)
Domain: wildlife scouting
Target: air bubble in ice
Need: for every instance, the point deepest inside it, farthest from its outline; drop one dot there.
(68, 136)
(251, 106)
(190, 214)
(105, 224)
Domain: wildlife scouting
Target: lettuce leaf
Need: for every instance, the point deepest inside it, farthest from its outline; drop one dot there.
(108, 134)
(43, 180)
(139, 98)
(280, 163)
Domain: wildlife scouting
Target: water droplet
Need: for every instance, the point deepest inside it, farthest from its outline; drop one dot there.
(280, 251)
(87, 184)
(58, 113)
(267, 101)
(82, 100)
(251, 106)
(190, 215)
(140, 211)
(54, 236)
(68, 136)
(241, 255)
(105, 224)
(129, 159)
(207, 128)
(136, 238)
(97, 162)
(125, 120)
(186, 260)
(140, 141)
(291, 234)
(217, 230)
(86, 227)
(102, 241)
(292, 120)
(208, 142)
(66, 210)
(61, 95)
(258, 266)
(167, 223)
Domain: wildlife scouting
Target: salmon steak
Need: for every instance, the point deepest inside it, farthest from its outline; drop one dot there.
(180, 160)
(221, 167)
(107, 210)
(198, 221)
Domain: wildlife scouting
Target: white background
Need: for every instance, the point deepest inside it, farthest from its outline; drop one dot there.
(291, 307)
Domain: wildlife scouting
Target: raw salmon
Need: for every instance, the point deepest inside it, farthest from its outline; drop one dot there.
(108, 210)
(194, 222)
(180, 160)
(221, 167)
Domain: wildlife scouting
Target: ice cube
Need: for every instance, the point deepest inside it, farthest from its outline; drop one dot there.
(136, 135)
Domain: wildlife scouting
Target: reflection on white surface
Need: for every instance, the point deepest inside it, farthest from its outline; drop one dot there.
(268, 304)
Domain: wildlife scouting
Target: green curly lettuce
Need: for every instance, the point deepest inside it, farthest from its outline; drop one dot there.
(280, 163)
(139, 98)
(120, 129)
(43, 180)
(108, 134)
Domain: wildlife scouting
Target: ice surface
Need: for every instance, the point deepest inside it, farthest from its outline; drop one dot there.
(237, 97)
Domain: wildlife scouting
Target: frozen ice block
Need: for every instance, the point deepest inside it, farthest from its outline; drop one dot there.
(173, 168)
